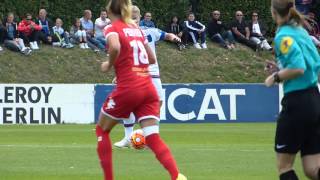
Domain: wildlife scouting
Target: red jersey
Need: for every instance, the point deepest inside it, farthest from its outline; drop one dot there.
(131, 66)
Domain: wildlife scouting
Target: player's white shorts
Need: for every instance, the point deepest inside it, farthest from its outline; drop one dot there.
(158, 85)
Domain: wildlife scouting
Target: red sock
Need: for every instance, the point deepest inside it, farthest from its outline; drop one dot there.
(104, 150)
(163, 154)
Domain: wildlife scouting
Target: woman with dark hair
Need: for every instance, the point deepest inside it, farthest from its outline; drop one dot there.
(298, 125)
(177, 29)
(78, 35)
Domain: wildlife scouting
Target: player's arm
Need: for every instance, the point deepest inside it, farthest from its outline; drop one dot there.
(283, 75)
(151, 55)
(114, 51)
(291, 57)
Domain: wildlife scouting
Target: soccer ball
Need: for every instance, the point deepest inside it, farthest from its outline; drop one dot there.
(137, 139)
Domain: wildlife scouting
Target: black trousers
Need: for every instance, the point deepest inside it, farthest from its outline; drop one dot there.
(2, 34)
(246, 42)
(34, 36)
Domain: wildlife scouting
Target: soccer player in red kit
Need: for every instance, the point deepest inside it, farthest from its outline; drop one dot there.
(134, 92)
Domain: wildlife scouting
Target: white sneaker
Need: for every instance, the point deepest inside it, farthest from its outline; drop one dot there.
(82, 46)
(86, 46)
(56, 44)
(204, 46)
(32, 46)
(124, 143)
(26, 51)
(36, 45)
(197, 46)
(1, 49)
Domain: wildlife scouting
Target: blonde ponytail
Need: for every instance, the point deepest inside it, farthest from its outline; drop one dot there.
(121, 8)
(295, 16)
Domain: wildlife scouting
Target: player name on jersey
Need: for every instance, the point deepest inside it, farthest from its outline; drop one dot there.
(130, 32)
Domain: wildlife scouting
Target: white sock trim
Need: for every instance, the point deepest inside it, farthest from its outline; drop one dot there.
(147, 131)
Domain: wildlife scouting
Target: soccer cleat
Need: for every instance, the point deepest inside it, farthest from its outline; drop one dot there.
(181, 177)
(124, 143)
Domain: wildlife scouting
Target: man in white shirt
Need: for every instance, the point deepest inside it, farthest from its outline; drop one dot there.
(257, 32)
(99, 26)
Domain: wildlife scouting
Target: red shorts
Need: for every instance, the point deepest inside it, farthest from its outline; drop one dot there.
(143, 103)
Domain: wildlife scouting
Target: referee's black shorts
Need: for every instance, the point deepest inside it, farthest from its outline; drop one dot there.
(298, 127)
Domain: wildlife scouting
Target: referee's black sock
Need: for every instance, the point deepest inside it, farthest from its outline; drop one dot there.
(290, 175)
(319, 174)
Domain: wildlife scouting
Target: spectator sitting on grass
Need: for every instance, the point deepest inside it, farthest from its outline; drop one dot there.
(241, 31)
(196, 30)
(2, 34)
(78, 35)
(100, 24)
(11, 37)
(88, 26)
(258, 31)
(45, 35)
(61, 35)
(29, 31)
(176, 28)
(147, 21)
(219, 33)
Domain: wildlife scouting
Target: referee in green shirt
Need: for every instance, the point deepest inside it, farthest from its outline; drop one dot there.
(298, 126)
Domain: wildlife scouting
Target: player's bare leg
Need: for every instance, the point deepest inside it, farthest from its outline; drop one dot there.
(128, 130)
(104, 148)
(285, 166)
(150, 128)
(311, 166)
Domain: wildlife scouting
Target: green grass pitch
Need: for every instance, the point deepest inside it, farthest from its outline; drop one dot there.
(203, 152)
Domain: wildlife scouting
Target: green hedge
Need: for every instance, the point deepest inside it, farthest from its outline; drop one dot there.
(162, 10)
(68, 10)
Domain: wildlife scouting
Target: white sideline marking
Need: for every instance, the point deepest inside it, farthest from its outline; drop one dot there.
(44, 146)
(228, 149)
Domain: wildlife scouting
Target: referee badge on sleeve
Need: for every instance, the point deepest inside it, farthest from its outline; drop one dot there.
(286, 44)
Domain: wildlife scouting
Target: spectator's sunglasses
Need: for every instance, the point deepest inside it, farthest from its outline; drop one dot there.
(216, 14)
(239, 15)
